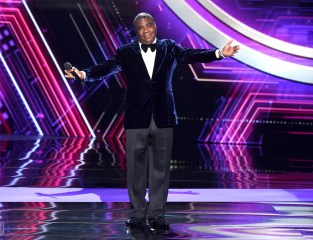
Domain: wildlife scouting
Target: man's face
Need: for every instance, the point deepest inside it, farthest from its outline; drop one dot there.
(146, 30)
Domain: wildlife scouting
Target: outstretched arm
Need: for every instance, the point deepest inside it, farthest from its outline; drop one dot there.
(188, 55)
(97, 72)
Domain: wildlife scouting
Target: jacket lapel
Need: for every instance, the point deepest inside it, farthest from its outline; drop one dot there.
(159, 58)
(138, 60)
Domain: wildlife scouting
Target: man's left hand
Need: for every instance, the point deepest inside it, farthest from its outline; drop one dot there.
(229, 50)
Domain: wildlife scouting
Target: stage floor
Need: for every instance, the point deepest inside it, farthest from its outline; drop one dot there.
(210, 220)
(65, 188)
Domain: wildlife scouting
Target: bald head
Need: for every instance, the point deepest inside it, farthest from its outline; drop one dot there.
(141, 16)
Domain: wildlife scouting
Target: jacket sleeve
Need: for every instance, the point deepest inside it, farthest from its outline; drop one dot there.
(190, 55)
(104, 69)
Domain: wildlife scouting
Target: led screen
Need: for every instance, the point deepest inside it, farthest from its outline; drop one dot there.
(261, 96)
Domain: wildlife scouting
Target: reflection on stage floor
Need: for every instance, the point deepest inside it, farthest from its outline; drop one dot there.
(287, 220)
(64, 188)
(88, 163)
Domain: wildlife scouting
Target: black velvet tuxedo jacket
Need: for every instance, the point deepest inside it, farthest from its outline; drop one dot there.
(146, 96)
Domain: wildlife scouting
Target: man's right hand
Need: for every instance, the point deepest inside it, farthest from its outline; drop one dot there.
(80, 74)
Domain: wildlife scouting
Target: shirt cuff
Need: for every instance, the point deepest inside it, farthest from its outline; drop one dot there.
(217, 53)
(84, 75)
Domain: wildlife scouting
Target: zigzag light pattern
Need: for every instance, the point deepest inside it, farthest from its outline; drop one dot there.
(38, 77)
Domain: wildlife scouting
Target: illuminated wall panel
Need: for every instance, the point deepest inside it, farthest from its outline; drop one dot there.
(41, 104)
(263, 95)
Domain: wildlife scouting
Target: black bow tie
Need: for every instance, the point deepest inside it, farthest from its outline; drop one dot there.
(145, 47)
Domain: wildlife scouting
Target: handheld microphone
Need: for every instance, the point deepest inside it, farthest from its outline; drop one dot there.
(68, 66)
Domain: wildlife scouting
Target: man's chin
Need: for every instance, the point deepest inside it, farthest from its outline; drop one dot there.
(147, 41)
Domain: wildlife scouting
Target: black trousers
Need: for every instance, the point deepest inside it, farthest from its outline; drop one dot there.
(148, 151)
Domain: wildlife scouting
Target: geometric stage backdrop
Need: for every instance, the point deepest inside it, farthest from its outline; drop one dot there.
(262, 96)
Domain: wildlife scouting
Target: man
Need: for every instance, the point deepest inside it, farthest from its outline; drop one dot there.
(150, 113)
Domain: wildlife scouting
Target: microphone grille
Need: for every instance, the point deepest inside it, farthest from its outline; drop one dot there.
(67, 66)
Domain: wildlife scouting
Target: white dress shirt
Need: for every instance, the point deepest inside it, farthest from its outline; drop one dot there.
(148, 58)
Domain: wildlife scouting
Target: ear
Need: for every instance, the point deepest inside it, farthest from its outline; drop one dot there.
(136, 30)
